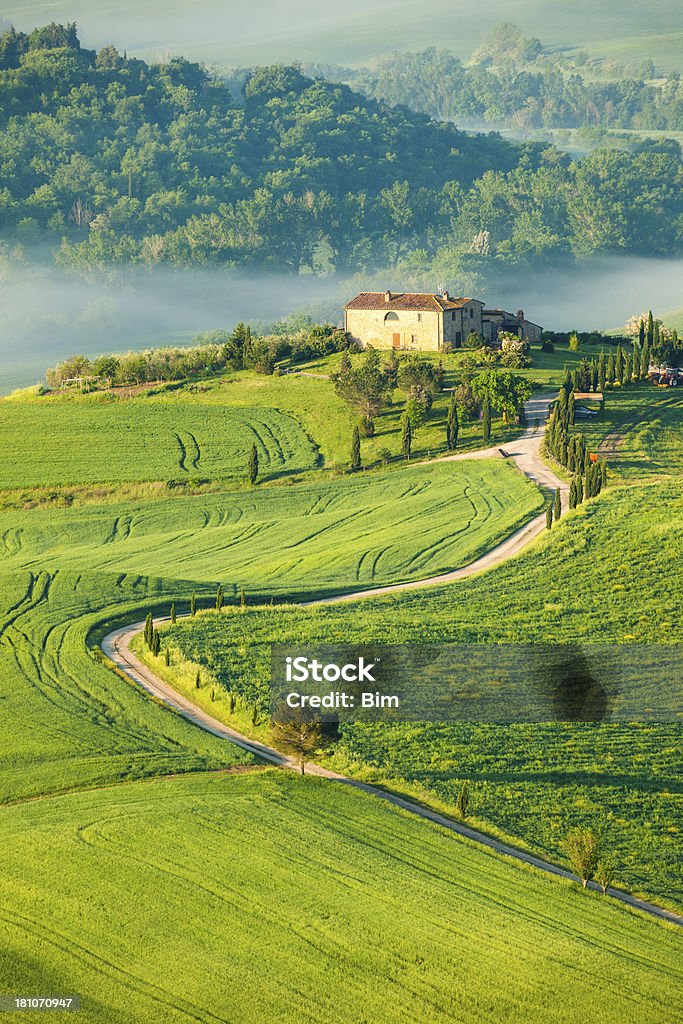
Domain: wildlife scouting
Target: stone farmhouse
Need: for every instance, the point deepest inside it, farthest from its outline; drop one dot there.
(426, 322)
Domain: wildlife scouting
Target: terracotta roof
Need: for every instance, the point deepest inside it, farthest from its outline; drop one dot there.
(421, 301)
(499, 312)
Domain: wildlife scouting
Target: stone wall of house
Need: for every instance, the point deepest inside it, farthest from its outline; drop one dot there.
(458, 323)
(417, 331)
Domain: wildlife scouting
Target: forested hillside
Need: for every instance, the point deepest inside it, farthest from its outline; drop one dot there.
(111, 160)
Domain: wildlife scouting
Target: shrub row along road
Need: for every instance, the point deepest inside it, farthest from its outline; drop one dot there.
(525, 452)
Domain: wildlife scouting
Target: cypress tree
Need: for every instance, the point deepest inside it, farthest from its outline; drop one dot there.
(452, 425)
(657, 337)
(463, 800)
(641, 333)
(628, 368)
(548, 516)
(619, 365)
(579, 490)
(571, 409)
(580, 451)
(253, 465)
(355, 448)
(603, 473)
(571, 453)
(219, 598)
(167, 655)
(572, 493)
(243, 598)
(173, 614)
(595, 376)
(149, 629)
(557, 508)
(193, 605)
(575, 380)
(567, 382)
(198, 679)
(650, 328)
(635, 369)
(486, 418)
(156, 642)
(407, 437)
(611, 369)
(602, 371)
(645, 361)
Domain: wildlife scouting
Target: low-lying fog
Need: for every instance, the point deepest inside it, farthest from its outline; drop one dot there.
(46, 316)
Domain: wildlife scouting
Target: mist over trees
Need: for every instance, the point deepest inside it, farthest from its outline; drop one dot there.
(110, 161)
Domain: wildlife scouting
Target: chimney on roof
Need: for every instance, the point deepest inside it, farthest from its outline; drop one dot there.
(387, 296)
(520, 314)
(444, 295)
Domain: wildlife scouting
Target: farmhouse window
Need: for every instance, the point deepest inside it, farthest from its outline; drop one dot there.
(471, 313)
(458, 337)
(453, 316)
(419, 318)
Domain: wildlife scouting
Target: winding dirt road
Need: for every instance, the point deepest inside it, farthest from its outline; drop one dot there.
(525, 452)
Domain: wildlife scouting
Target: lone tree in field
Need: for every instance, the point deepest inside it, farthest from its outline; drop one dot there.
(252, 470)
(167, 655)
(219, 598)
(198, 679)
(557, 507)
(604, 873)
(297, 735)
(193, 605)
(366, 388)
(156, 643)
(149, 629)
(355, 448)
(463, 801)
(549, 516)
(486, 418)
(583, 851)
(452, 425)
(173, 614)
(407, 436)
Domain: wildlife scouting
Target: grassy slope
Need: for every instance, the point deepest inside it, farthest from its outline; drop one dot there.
(373, 528)
(268, 897)
(599, 576)
(67, 721)
(358, 31)
(87, 439)
(71, 439)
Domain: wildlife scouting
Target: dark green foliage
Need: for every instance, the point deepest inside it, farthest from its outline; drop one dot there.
(156, 643)
(149, 629)
(367, 426)
(611, 369)
(367, 387)
(645, 361)
(406, 436)
(641, 333)
(198, 679)
(219, 598)
(548, 516)
(557, 506)
(167, 655)
(172, 614)
(252, 468)
(486, 418)
(452, 425)
(650, 334)
(193, 605)
(583, 851)
(162, 165)
(463, 801)
(355, 448)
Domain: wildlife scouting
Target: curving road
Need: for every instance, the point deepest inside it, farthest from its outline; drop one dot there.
(525, 452)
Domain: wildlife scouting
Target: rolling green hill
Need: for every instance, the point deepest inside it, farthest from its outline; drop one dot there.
(268, 897)
(355, 33)
(94, 439)
(607, 573)
(362, 530)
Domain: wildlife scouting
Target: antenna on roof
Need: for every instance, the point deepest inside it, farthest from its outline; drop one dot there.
(440, 290)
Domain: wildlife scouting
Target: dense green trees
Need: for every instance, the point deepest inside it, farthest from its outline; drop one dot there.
(111, 160)
(500, 88)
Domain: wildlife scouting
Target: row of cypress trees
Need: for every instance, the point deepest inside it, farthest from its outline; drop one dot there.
(589, 474)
